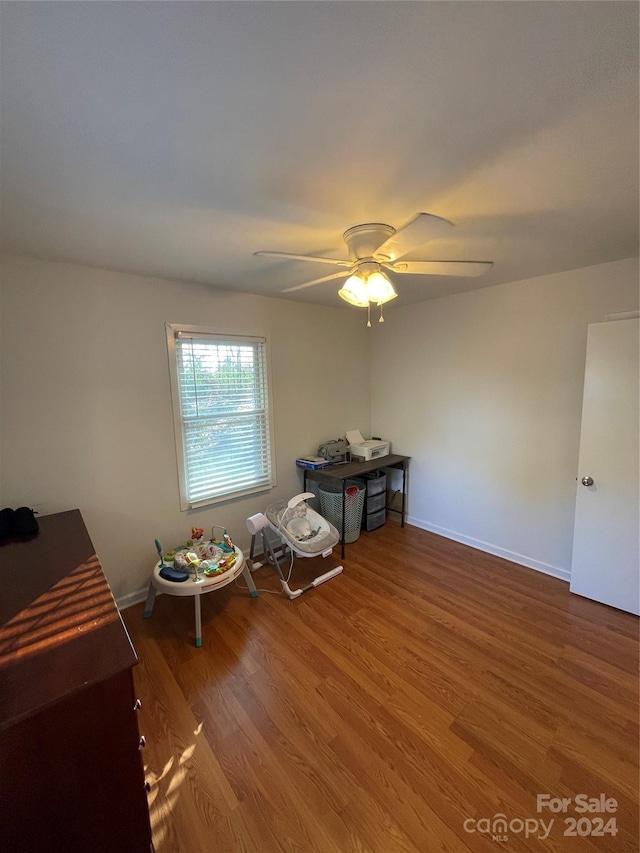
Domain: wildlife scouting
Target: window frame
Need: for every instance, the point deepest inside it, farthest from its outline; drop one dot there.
(172, 332)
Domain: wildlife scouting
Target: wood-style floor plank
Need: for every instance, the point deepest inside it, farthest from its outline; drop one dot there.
(427, 686)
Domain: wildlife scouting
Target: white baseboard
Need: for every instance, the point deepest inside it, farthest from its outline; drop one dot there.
(487, 547)
(132, 598)
(563, 574)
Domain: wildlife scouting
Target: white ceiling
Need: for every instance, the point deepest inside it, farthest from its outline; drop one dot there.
(175, 139)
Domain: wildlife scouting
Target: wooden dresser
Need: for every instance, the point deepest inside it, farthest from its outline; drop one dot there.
(71, 775)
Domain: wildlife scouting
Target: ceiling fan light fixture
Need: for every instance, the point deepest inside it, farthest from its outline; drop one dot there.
(354, 291)
(374, 245)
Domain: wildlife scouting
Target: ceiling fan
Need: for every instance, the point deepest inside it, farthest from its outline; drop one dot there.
(375, 250)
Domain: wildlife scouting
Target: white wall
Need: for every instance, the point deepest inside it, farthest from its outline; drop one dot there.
(484, 391)
(86, 416)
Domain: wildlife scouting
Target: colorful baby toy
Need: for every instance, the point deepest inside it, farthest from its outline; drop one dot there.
(213, 557)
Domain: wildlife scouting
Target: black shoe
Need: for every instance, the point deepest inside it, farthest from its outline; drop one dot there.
(24, 522)
(6, 523)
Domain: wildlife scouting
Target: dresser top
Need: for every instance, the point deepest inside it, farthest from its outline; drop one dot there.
(60, 629)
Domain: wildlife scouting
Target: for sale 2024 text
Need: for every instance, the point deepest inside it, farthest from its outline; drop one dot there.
(593, 813)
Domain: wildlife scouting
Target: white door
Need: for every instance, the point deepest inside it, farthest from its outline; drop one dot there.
(606, 559)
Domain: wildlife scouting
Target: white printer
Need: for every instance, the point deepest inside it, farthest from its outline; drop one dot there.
(366, 450)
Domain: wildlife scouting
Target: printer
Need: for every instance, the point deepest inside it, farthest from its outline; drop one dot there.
(366, 450)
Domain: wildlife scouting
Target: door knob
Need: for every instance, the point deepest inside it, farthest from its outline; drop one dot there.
(587, 481)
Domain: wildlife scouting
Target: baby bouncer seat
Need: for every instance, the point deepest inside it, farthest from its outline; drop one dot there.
(302, 532)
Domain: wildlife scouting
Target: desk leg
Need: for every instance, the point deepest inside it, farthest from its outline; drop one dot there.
(246, 574)
(198, 621)
(344, 517)
(404, 491)
(151, 597)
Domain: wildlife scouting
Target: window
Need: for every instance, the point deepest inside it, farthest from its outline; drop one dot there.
(222, 417)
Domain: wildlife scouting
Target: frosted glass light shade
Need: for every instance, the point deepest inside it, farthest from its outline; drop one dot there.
(354, 292)
(379, 288)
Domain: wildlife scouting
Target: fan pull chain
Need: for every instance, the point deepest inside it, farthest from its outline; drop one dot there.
(381, 320)
(368, 315)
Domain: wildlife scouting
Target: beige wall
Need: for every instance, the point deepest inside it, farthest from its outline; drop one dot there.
(484, 391)
(86, 417)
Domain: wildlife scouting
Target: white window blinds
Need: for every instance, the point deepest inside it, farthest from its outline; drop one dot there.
(224, 424)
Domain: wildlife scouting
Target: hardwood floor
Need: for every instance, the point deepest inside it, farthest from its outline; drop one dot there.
(427, 686)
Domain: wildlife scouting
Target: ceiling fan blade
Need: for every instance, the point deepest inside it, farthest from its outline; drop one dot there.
(419, 230)
(467, 269)
(292, 257)
(341, 274)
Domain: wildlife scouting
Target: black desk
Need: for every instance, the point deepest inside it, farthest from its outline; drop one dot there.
(356, 469)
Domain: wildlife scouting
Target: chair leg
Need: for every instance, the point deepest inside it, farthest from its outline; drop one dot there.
(198, 622)
(148, 606)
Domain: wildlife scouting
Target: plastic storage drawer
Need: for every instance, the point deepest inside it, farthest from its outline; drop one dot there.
(375, 503)
(376, 482)
(373, 520)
